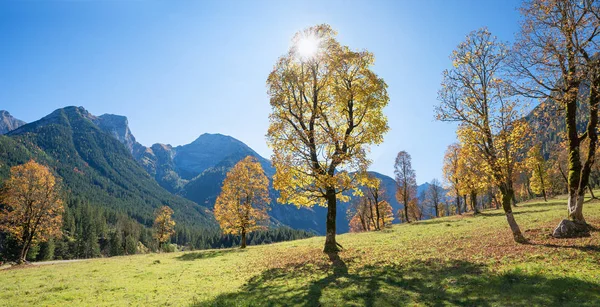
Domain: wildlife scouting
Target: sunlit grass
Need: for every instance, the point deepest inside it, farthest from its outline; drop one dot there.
(469, 260)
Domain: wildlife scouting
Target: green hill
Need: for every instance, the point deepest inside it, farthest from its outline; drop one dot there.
(462, 260)
(94, 166)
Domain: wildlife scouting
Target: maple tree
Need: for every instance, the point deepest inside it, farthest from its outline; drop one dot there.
(32, 205)
(242, 206)
(164, 225)
(435, 194)
(538, 170)
(406, 185)
(451, 173)
(370, 211)
(327, 109)
(475, 94)
(556, 58)
(474, 180)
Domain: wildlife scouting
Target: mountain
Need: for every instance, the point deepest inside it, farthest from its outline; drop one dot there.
(88, 154)
(99, 157)
(547, 121)
(196, 171)
(208, 150)
(8, 122)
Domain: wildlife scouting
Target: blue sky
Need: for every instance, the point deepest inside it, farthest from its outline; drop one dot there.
(178, 69)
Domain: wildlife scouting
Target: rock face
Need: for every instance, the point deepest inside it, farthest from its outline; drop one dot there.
(118, 127)
(8, 122)
(570, 229)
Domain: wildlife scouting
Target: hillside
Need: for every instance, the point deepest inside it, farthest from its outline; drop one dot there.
(462, 260)
(547, 122)
(95, 166)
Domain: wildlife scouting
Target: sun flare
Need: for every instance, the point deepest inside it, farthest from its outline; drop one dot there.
(308, 46)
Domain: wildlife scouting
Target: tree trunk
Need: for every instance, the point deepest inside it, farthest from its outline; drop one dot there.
(406, 205)
(331, 245)
(528, 186)
(378, 217)
(513, 197)
(465, 203)
(592, 192)
(243, 244)
(457, 203)
(25, 249)
(474, 203)
(575, 199)
(362, 222)
(512, 223)
(542, 182)
(23, 255)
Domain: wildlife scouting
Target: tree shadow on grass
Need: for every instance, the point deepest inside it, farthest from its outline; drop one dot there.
(439, 221)
(584, 248)
(544, 205)
(208, 254)
(514, 212)
(433, 282)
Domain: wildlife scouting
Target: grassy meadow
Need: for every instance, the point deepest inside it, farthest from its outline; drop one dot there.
(467, 260)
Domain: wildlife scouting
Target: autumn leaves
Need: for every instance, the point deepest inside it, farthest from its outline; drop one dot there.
(555, 57)
(244, 200)
(32, 205)
(326, 110)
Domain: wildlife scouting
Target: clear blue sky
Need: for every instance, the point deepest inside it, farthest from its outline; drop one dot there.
(178, 69)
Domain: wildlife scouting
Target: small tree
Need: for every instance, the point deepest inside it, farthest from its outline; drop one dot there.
(435, 194)
(451, 172)
(242, 206)
(32, 207)
(164, 225)
(538, 170)
(370, 211)
(406, 181)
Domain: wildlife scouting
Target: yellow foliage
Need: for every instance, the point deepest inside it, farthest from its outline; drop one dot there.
(326, 110)
(244, 200)
(33, 207)
(538, 170)
(164, 225)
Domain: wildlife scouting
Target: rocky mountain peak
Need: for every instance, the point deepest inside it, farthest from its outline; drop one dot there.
(118, 127)
(8, 122)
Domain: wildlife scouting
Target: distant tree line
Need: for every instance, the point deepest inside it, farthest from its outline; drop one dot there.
(88, 231)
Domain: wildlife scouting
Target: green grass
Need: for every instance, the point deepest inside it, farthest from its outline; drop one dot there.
(469, 260)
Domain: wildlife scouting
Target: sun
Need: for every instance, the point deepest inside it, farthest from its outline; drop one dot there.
(307, 46)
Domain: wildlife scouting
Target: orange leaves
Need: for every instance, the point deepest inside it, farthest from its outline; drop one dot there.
(164, 225)
(243, 203)
(33, 207)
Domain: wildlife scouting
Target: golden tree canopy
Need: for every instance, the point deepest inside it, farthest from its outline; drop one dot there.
(537, 167)
(164, 225)
(327, 108)
(32, 204)
(244, 200)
